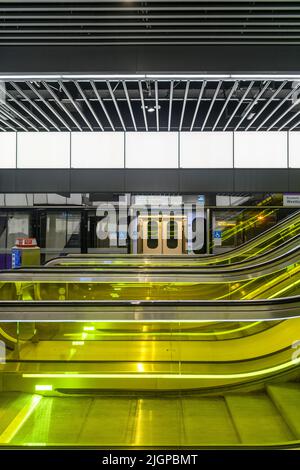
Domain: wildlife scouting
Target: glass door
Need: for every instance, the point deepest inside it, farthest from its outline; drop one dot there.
(173, 235)
(60, 233)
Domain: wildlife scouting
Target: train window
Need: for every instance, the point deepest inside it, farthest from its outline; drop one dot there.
(172, 234)
(152, 234)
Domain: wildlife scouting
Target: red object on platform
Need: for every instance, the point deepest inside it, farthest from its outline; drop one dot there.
(26, 242)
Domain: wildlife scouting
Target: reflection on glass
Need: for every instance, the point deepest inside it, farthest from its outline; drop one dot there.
(172, 231)
(152, 234)
(62, 233)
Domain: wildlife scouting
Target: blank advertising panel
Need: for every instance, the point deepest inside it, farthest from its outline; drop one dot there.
(151, 150)
(260, 149)
(8, 150)
(206, 150)
(294, 149)
(97, 150)
(43, 150)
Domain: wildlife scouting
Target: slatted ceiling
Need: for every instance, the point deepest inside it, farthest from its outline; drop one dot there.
(154, 22)
(124, 105)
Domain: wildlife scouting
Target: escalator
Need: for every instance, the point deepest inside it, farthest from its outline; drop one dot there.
(264, 243)
(85, 263)
(280, 277)
(132, 375)
(139, 358)
(254, 263)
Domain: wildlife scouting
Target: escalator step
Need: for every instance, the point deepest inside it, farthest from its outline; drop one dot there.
(249, 418)
(286, 397)
(207, 421)
(257, 420)
(111, 421)
(77, 420)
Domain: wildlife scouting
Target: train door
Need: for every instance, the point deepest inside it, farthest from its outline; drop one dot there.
(173, 235)
(162, 234)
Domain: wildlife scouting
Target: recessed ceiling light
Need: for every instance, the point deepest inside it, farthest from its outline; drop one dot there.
(151, 108)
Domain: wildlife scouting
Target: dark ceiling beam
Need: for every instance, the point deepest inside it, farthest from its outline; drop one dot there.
(180, 22)
(155, 59)
(151, 1)
(253, 7)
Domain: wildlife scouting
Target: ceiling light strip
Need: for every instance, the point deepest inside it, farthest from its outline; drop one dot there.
(21, 105)
(156, 104)
(184, 104)
(7, 124)
(290, 94)
(296, 103)
(49, 106)
(170, 105)
(233, 89)
(38, 108)
(129, 105)
(8, 116)
(266, 105)
(143, 105)
(116, 104)
(89, 105)
(14, 111)
(60, 103)
(198, 104)
(211, 105)
(254, 102)
(288, 121)
(68, 94)
(239, 105)
(102, 105)
(147, 76)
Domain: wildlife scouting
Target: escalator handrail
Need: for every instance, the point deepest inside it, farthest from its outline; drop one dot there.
(225, 267)
(282, 260)
(287, 219)
(293, 301)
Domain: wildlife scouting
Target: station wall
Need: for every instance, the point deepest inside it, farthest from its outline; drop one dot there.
(63, 162)
(149, 150)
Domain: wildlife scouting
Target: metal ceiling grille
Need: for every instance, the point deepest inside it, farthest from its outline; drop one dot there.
(150, 105)
(154, 22)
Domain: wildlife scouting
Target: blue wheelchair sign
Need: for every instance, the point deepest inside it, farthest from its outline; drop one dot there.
(218, 234)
